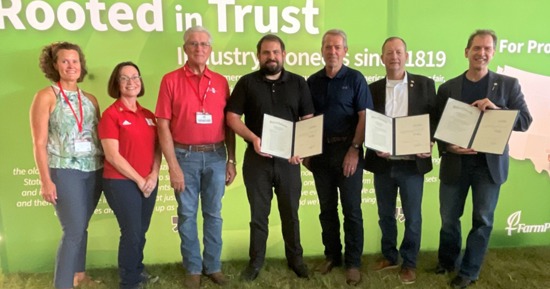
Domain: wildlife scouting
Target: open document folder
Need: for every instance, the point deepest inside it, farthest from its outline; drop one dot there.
(465, 125)
(283, 138)
(398, 136)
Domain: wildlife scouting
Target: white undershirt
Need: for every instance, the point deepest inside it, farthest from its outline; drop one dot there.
(397, 97)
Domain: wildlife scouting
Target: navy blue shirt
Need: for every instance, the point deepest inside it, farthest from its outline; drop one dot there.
(287, 97)
(339, 99)
(472, 91)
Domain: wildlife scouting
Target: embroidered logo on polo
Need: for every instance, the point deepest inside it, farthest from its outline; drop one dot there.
(515, 225)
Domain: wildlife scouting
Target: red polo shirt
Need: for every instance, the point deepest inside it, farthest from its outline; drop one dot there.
(182, 94)
(136, 133)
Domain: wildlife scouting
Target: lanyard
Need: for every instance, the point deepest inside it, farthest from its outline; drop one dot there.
(204, 96)
(203, 99)
(78, 121)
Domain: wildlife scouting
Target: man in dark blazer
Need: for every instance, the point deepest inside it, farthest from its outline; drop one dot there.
(400, 94)
(462, 168)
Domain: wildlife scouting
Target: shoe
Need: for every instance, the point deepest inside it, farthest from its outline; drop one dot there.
(460, 282)
(407, 275)
(218, 278)
(325, 267)
(192, 281)
(86, 281)
(139, 285)
(147, 278)
(384, 264)
(441, 270)
(301, 271)
(250, 273)
(353, 276)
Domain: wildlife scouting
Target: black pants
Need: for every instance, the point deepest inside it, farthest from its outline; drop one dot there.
(262, 175)
(331, 185)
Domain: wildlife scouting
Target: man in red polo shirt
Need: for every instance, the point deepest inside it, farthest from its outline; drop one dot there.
(193, 137)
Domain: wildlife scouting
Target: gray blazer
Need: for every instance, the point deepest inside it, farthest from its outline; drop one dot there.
(504, 92)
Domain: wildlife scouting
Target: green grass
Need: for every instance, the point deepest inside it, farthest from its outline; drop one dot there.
(508, 268)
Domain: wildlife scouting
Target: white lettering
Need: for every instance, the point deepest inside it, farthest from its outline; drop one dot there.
(31, 13)
(95, 7)
(259, 20)
(79, 16)
(119, 12)
(289, 14)
(11, 14)
(155, 10)
(240, 12)
(72, 16)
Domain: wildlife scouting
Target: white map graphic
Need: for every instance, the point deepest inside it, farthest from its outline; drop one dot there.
(534, 144)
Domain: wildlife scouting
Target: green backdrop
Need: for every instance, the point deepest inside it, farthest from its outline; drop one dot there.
(150, 34)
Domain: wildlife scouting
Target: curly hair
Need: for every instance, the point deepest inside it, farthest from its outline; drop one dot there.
(48, 57)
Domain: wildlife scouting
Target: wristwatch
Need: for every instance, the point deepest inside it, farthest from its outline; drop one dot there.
(356, 146)
(232, 162)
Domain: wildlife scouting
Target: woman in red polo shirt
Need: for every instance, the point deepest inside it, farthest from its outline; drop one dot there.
(128, 134)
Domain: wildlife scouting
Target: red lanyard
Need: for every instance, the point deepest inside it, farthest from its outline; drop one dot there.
(78, 121)
(203, 99)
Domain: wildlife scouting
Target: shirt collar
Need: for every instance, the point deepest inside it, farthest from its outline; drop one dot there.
(405, 80)
(189, 73)
(121, 107)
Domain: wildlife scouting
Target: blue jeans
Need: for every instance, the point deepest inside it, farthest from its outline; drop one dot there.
(204, 174)
(329, 182)
(403, 177)
(133, 212)
(452, 198)
(77, 195)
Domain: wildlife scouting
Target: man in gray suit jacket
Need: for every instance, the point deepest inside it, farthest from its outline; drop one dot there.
(462, 168)
(400, 94)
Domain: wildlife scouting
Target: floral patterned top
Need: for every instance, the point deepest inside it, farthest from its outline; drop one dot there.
(67, 147)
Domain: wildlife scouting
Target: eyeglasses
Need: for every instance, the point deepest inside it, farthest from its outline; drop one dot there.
(127, 79)
(196, 44)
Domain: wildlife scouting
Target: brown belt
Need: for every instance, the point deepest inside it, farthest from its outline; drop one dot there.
(200, 148)
(335, 139)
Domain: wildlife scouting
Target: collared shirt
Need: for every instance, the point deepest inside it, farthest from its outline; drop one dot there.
(136, 133)
(287, 98)
(339, 99)
(182, 95)
(397, 97)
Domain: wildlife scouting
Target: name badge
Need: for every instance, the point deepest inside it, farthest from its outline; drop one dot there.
(204, 118)
(81, 146)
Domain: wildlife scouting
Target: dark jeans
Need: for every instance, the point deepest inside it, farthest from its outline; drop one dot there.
(404, 178)
(262, 175)
(133, 212)
(329, 180)
(452, 198)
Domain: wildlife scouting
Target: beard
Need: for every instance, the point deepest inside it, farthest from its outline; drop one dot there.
(271, 69)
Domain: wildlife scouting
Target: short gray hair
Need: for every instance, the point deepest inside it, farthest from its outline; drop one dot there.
(336, 32)
(195, 29)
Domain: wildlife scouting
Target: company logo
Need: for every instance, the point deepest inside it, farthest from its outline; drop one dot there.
(515, 225)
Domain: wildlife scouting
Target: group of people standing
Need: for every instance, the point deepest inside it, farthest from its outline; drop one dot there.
(195, 123)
